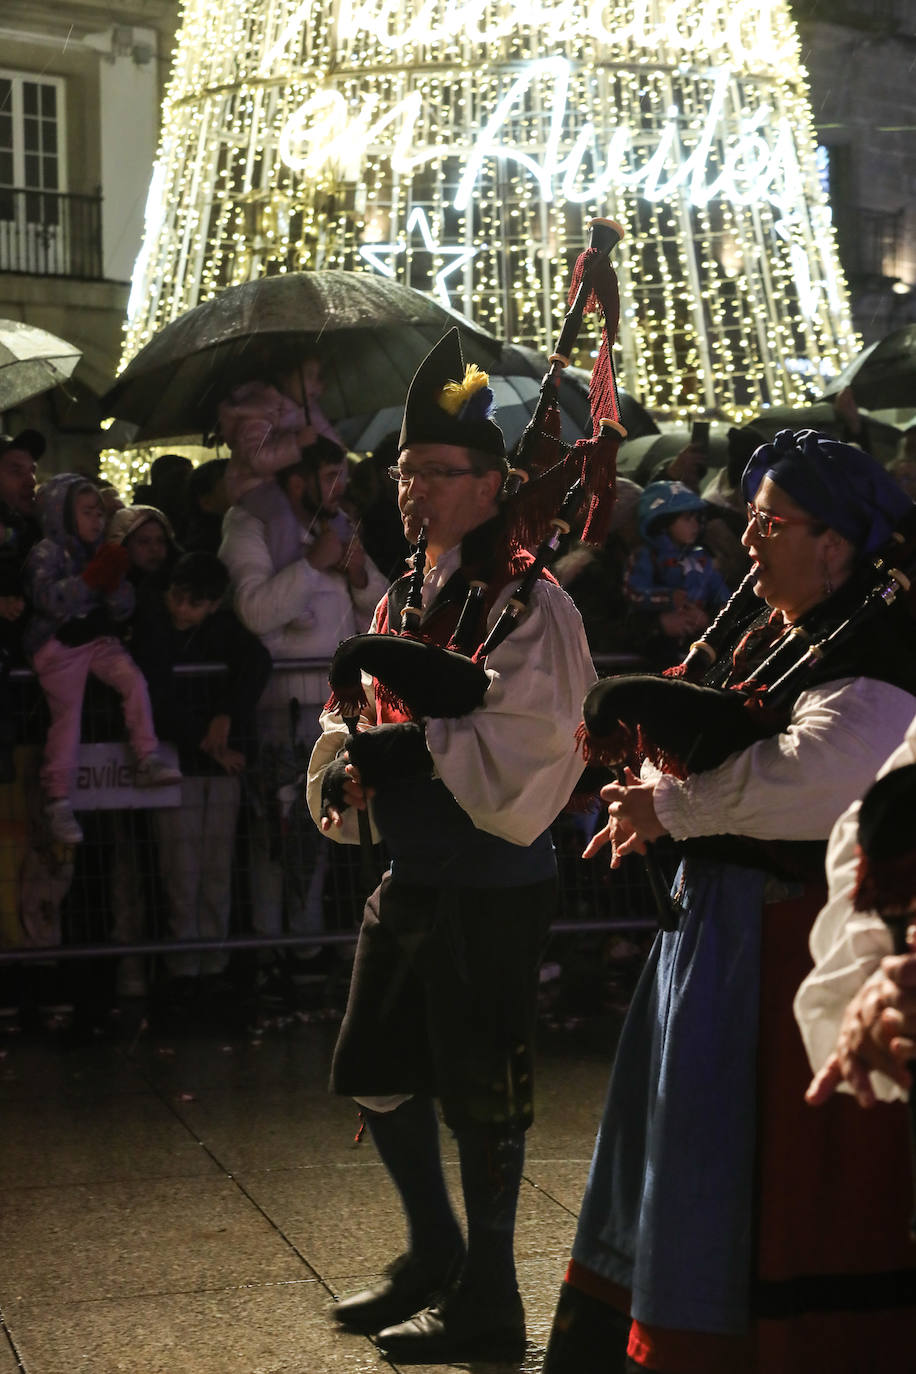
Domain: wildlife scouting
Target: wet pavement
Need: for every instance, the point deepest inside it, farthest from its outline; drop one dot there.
(188, 1199)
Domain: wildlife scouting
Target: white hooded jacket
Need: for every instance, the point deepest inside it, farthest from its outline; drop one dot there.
(298, 612)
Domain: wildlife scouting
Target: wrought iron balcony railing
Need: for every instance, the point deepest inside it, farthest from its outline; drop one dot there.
(50, 233)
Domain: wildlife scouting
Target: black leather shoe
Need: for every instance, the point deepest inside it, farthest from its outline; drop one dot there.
(458, 1329)
(409, 1285)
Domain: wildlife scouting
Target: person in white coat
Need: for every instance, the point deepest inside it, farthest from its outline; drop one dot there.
(301, 584)
(856, 1009)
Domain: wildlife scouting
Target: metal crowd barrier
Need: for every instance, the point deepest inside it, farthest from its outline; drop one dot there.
(109, 896)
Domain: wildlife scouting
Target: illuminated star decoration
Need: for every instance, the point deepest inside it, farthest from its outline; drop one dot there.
(417, 222)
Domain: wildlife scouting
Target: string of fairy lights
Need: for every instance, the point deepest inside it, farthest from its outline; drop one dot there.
(307, 134)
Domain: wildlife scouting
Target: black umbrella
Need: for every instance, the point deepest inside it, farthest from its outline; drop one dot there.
(883, 376)
(515, 381)
(639, 457)
(819, 415)
(879, 438)
(514, 398)
(370, 334)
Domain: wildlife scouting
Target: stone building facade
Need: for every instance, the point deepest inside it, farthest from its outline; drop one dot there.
(80, 88)
(860, 56)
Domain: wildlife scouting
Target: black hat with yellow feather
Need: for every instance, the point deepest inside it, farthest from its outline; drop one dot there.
(451, 403)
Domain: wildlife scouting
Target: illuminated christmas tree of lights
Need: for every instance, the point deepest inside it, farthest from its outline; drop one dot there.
(462, 146)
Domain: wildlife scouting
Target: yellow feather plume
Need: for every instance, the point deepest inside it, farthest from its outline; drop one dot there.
(456, 394)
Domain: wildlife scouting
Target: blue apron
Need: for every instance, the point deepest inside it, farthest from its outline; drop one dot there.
(668, 1208)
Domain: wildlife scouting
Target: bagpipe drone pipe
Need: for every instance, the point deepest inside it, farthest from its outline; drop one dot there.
(548, 483)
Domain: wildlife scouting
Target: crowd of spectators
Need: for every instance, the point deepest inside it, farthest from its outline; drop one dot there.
(231, 608)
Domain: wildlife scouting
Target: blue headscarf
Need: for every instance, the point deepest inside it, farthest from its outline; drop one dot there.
(839, 484)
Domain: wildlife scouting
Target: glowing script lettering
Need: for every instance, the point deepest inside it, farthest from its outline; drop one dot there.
(758, 164)
(319, 135)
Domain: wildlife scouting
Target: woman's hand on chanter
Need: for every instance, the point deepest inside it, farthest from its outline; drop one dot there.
(632, 821)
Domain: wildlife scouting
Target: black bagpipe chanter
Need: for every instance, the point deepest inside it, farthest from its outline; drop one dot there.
(548, 483)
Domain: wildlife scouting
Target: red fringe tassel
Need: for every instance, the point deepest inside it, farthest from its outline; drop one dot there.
(599, 473)
(349, 702)
(608, 750)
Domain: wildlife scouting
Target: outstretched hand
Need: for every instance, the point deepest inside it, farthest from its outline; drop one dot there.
(689, 466)
(216, 743)
(353, 564)
(632, 821)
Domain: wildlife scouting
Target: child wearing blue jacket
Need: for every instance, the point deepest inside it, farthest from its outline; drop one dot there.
(670, 569)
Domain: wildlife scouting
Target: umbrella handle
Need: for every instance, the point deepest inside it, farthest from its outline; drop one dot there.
(306, 408)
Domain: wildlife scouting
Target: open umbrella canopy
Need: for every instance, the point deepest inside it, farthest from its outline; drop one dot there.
(636, 420)
(877, 436)
(514, 398)
(515, 381)
(523, 365)
(883, 375)
(369, 333)
(31, 361)
(818, 415)
(639, 457)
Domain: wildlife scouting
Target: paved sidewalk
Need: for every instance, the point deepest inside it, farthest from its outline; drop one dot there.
(192, 1203)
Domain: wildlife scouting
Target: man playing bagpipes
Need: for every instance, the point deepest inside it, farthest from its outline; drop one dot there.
(727, 1228)
(462, 792)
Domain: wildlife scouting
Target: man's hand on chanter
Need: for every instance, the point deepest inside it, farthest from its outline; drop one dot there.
(347, 791)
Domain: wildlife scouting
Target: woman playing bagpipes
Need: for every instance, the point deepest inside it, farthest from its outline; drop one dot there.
(726, 1226)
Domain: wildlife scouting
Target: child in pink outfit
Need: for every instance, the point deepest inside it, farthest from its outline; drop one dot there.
(77, 589)
(266, 428)
(261, 427)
